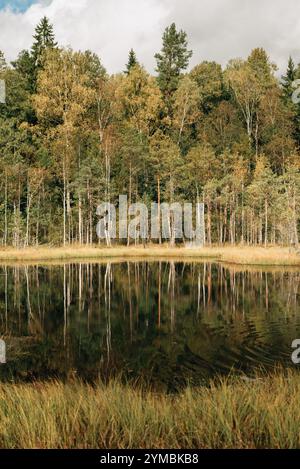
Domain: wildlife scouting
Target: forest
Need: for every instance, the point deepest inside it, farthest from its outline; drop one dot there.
(72, 136)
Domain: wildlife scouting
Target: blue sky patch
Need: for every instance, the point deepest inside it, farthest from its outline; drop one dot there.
(17, 5)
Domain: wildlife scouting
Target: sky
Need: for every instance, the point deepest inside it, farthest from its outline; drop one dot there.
(217, 29)
(16, 5)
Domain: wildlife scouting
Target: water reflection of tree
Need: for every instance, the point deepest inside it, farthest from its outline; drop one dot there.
(166, 321)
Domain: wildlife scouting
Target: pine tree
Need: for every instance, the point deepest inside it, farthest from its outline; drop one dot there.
(172, 60)
(29, 63)
(132, 61)
(288, 79)
(43, 38)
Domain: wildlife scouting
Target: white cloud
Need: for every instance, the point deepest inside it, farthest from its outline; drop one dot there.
(217, 29)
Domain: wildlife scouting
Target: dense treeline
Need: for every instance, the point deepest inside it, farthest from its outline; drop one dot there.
(71, 136)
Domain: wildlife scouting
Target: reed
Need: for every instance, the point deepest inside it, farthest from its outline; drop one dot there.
(228, 413)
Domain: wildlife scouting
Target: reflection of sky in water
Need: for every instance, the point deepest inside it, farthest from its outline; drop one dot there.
(20, 5)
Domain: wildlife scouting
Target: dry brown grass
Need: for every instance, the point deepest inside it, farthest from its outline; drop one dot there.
(229, 254)
(229, 413)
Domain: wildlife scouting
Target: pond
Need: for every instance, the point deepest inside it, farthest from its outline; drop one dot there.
(168, 323)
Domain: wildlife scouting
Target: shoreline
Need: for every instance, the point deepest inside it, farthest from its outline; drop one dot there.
(239, 255)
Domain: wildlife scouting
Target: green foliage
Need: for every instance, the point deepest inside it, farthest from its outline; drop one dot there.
(287, 80)
(43, 39)
(30, 62)
(72, 135)
(132, 61)
(172, 60)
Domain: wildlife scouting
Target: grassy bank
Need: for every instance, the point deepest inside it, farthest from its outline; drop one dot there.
(235, 255)
(232, 413)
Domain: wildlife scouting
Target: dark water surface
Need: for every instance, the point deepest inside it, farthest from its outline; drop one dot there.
(167, 322)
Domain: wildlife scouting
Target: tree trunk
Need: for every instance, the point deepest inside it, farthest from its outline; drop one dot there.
(266, 222)
(5, 211)
(208, 221)
(79, 218)
(158, 207)
(64, 203)
(130, 197)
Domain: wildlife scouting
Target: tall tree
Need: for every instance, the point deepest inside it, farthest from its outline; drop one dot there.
(29, 63)
(262, 67)
(132, 61)
(139, 100)
(288, 79)
(209, 79)
(261, 199)
(288, 82)
(172, 60)
(186, 107)
(63, 99)
(167, 163)
(247, 91)
(43, 39)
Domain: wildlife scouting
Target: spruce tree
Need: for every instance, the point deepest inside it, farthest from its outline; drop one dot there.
(43, 38)
(132, 61)
(292, 74)
(172, 60)
(287, 80)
